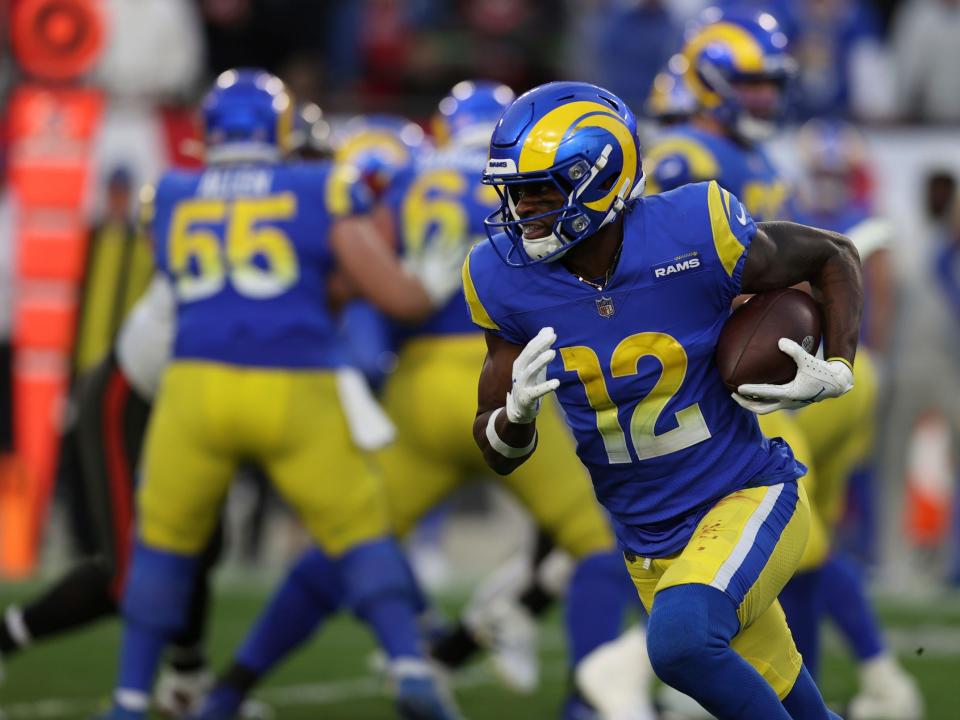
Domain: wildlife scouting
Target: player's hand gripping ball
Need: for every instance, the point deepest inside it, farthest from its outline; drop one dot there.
(765, 354)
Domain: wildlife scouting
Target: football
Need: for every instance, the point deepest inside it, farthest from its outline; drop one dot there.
(747, 350)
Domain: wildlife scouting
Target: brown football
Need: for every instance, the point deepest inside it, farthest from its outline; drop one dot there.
(747, 350)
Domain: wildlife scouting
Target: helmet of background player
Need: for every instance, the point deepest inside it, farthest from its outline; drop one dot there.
(738, 67)
(468, 114)
(379, 147)
(580, 138)
(311, 136)
(247, 117)
(834, 158)
(670, 100)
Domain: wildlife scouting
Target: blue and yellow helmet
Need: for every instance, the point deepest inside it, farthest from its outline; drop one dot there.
(670, 99)
(379, 148)
(469, 112)
(579, 137)
(247, 117)
(729, 47)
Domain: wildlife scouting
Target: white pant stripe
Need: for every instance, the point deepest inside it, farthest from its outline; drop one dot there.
(730, 566)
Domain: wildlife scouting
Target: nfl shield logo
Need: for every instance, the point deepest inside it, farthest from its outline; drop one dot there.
(605, 307)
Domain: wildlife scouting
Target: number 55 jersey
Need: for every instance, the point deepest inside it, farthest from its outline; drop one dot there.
(655, 425)
(246, 248)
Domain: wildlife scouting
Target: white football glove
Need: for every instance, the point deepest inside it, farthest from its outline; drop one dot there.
(530, 382)
(816, 380)
(437, 267)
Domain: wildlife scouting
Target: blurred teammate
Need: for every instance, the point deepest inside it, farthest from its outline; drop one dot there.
(249, 245)
(707, 509)
(737, 67)
(441, 202)
(835, 196)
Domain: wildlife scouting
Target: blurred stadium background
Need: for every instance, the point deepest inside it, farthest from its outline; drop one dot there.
(97, 99)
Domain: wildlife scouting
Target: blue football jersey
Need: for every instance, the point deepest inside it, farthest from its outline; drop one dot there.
(443, 201)
(247, 253)
(655, 425)
(687, 154)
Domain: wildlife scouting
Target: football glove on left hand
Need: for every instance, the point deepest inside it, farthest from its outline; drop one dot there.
(815, 380)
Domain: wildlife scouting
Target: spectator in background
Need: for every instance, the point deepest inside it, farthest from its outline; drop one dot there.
(118, 268)
(926, 37)
(843, 69)
(317, 44)
(623, 44)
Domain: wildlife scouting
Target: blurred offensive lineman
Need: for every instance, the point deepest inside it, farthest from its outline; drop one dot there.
(441, 201)
(707, 510)
(249, 245)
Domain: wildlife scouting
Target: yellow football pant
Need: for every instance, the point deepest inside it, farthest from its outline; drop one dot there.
(727, 552)
(840, 434)
(209, 418)
(432, 399)
(782, 424)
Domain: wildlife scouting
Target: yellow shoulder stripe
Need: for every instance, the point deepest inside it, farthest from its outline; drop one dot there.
(728, 247)
(478, 313)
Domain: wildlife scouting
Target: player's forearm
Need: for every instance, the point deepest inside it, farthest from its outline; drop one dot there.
(517, 441)
(789, 254)
(838, 287)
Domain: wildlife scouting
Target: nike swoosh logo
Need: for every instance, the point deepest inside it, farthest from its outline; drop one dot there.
(742, 216)
(813, 399)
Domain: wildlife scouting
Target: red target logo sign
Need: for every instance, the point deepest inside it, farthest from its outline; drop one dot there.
(57, 39)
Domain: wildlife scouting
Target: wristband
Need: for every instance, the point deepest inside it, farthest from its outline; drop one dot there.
(508, 451)
(843, 360)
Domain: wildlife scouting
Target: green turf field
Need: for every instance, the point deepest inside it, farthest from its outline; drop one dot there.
(70, 678)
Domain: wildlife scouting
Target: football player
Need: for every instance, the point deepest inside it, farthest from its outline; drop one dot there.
(249, 245)
(707, 509)
(442, 202)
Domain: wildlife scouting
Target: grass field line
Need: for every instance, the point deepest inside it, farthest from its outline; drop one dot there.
(321, 693)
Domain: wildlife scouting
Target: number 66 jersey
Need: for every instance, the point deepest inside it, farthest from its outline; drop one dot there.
(246, 249)
(655, 425)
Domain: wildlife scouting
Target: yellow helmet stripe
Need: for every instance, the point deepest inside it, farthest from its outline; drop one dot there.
(540, 147)
(393, 148)
(747, 54)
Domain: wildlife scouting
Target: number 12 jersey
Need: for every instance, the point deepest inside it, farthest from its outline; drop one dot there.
(654, 423)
